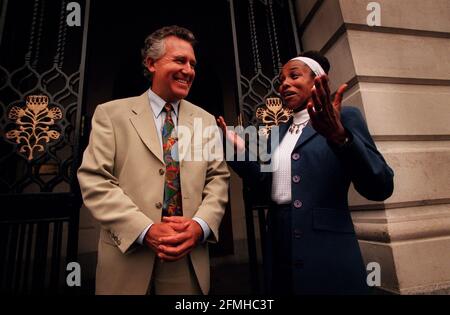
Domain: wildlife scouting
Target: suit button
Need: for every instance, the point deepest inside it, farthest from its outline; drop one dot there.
(161, 171)
(115, 239)
(158, 205)
(298, 204)
(295, 156)
(298, 233)
(298, 263)
(296, 179)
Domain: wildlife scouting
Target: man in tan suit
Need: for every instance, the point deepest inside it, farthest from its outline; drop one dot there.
(125, 175)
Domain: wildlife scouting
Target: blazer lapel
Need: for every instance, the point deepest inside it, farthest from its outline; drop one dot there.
(282, 129)
(307, 133)
(144, 124)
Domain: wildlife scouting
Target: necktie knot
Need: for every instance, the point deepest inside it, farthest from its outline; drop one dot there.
(168, 108)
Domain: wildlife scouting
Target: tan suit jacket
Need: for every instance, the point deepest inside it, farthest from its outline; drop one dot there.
(122, 184)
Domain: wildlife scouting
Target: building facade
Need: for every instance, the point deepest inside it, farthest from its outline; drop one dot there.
(392, 53)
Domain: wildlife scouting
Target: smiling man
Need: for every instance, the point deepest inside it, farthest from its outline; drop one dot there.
(157, 212)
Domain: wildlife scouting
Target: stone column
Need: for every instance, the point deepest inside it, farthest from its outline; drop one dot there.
(399, 77)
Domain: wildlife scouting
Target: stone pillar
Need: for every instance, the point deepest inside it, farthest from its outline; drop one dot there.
(399, 77)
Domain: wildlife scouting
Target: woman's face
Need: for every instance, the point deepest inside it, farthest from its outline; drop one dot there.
(296, 81)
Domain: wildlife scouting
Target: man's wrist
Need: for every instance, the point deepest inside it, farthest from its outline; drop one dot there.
(205, 230)
(141, 239)
(199, 231)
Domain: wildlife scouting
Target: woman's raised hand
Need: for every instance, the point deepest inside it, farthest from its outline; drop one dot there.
(326, 115)
(231, 136)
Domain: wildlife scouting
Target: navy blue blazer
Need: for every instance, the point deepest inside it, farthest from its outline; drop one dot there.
(326, 258)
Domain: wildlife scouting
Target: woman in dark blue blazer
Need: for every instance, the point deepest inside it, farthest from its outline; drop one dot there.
(311, 243)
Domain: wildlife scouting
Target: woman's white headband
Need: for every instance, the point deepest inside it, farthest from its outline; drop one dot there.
(312, 64)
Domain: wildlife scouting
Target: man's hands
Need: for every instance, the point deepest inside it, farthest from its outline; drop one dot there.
(174, 237)
(326, 115)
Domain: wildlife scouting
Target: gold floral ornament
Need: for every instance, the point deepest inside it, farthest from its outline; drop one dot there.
(33, 124)
(272, 115)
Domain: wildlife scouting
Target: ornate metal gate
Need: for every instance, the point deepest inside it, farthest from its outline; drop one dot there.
(41, 88)
(265, 36)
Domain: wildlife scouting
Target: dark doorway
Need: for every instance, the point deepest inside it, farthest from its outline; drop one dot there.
(116, 36)
(113, 69)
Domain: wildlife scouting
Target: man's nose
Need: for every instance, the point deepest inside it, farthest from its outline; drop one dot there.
(187, 69)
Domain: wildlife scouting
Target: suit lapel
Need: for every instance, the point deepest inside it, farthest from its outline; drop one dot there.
(282, 129)
(307, 133)
(144, 124)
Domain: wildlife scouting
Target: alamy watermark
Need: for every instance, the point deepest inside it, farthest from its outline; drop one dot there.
(374, 17)
(74, 14)
(374, 276)
(196, 143)
(73, 278)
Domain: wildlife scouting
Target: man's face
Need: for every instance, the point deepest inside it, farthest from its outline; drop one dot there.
(174, 72)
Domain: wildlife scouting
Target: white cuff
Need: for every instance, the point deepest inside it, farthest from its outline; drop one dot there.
(204, 226)
(140, 239)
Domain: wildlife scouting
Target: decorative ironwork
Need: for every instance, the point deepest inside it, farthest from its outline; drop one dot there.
(264, 37)
(38, 71)
(41, 84)
(262, 43)
(33, 124)
(272, 114)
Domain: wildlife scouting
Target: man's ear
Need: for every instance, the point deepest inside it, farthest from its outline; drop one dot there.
(150, 62)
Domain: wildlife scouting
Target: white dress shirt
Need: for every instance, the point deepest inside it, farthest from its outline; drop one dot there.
(282, 177)
(159, 115)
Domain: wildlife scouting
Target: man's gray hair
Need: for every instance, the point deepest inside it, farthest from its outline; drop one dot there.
(155, 47)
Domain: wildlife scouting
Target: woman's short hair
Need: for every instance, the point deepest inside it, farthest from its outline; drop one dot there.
(154, 46)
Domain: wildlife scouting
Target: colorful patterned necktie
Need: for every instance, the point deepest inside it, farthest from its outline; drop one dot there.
(172, 188)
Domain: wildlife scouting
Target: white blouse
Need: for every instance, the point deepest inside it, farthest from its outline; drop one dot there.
(282, 177)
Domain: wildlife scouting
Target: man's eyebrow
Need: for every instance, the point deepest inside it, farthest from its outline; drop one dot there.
(183, 58)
